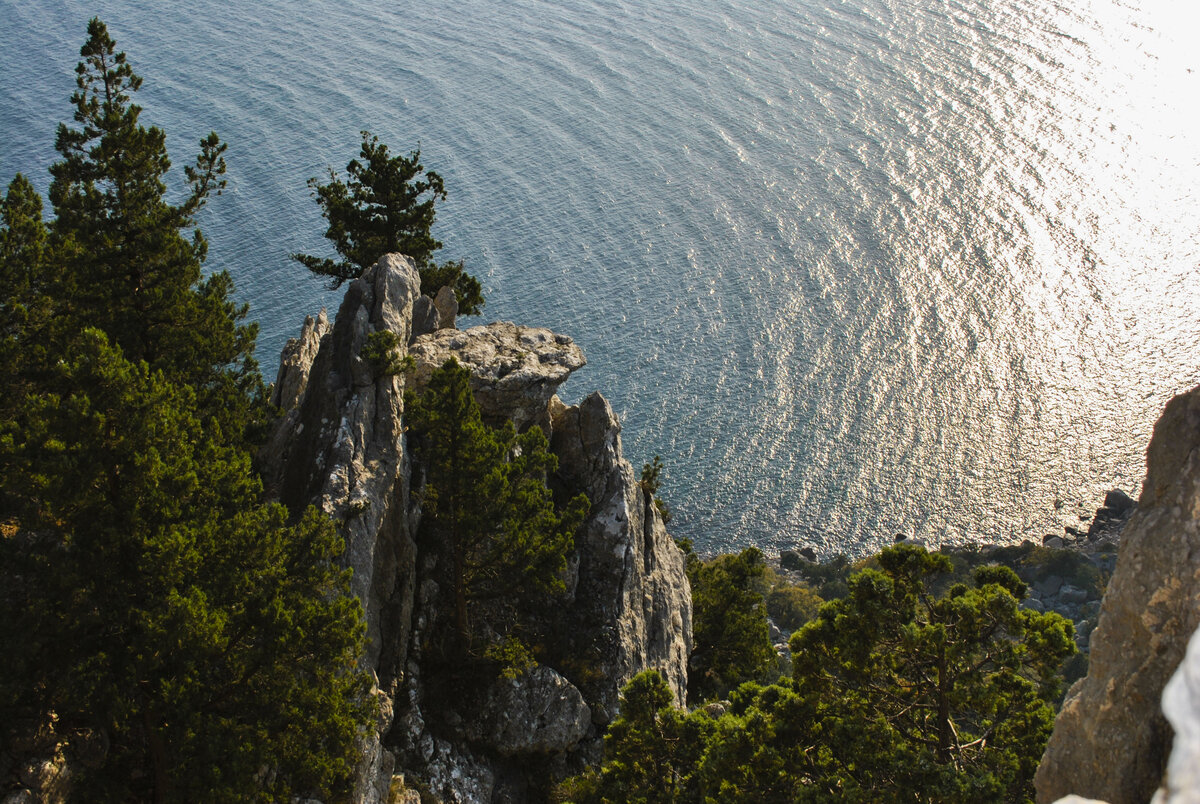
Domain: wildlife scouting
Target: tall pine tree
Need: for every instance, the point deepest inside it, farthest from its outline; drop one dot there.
(130, 267)
(486, 500)
(157, 615)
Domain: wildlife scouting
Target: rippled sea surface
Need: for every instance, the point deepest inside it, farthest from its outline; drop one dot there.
(853, 268)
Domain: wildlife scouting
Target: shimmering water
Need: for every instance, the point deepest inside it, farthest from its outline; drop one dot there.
(852, 267)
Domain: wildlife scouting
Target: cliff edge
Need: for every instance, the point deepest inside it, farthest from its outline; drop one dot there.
(1111, 739)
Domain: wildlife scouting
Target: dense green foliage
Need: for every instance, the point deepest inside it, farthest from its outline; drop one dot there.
(387, 206)
(731, 641)
(896, 695)
(956, 687)
(486, 502)
(156, 614)
(123, 262)
(651, 751)
(792, 605)
(651, 482)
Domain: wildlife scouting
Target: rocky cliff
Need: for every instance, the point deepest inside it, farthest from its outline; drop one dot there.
(340, 444)
(1111, 739)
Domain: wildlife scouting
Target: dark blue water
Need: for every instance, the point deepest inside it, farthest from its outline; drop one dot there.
(852, 268)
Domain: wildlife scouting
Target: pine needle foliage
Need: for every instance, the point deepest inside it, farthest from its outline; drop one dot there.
(486, 500)
(386, 205)
(181, 639)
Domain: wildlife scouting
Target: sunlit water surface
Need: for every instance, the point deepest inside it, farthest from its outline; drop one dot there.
(852, 268)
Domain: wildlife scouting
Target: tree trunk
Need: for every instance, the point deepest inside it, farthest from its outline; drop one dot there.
(943, 710)
(158, 755)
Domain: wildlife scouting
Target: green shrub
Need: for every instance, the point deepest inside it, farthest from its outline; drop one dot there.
(791, 606)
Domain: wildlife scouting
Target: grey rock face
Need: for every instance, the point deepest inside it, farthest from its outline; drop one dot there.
(425, 317)
(341, 447)
(539, 712)
(631, 587)
(296, 362)
(1110, 740)
(514, 370)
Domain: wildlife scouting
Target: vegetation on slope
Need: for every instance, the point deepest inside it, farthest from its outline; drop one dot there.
(896, 694)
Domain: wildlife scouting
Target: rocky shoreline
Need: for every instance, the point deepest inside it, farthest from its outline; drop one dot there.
(1059, 584)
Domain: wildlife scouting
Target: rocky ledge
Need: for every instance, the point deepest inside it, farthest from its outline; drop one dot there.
(514, 370)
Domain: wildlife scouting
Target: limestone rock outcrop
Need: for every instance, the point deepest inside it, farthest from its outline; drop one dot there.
(630, 571)
(295, 364)
(1111, 740)
(340, 444)
(514, 369)
(1181, 705)
(539, 712)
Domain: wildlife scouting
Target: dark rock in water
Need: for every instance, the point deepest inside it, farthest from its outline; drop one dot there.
(1053, 542)
(1119, 502)
(808, 554)
(899, 537)
(1110, 520)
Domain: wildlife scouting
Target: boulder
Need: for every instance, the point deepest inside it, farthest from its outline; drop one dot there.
(1119, 502)
(539, 712)
(425, 318)
(1110, 740)
(790, 560)
(514, 370)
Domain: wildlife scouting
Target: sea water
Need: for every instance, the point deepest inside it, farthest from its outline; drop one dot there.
(851, 267)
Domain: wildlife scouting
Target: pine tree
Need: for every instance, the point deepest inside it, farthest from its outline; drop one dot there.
(24, 305)
(151, 601)
(129, 270)
(387, 206)
(930, 699)
(22, 243)
(156, 615)
(731, 640)
(486, 499)
(897, 695)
